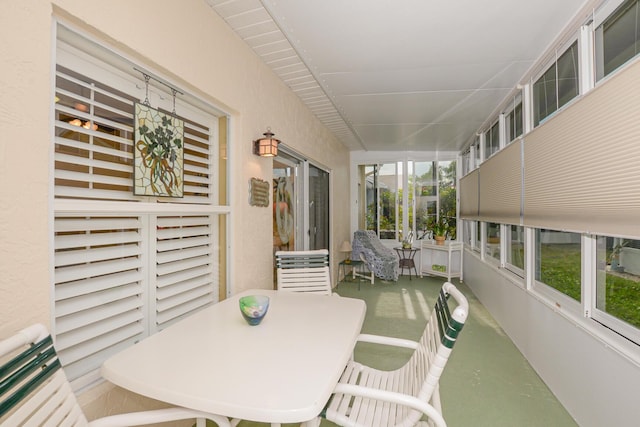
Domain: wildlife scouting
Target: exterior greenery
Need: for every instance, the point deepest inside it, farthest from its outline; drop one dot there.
(561, 271)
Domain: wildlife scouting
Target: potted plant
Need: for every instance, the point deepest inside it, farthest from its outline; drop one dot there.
(440, 228)
(407, 242)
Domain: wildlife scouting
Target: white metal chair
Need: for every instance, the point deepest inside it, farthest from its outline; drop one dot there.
(401, 397)
(304, 271)
(34, 390)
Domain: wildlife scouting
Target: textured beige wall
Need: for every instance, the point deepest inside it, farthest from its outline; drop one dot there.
(188, 43)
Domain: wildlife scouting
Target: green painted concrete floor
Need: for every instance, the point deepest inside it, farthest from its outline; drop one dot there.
(487, 381)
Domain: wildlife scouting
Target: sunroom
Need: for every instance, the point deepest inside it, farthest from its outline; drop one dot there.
(539, 186)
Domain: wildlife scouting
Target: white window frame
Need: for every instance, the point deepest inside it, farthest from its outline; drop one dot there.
(561, 50)
(554, 297)
(623, 328)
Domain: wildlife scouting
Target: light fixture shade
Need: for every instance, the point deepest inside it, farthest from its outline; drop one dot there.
(267, 146)
(345, 246)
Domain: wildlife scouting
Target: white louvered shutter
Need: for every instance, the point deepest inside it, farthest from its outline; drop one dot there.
(125, 266)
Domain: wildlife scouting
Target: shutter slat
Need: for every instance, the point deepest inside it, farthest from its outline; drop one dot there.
(96, 239)
(77, 272)
(186, 232)
(181, 255)
(173, 244)
(182, 298)
(168, 280)
(67, 158)
(79, 145)
(63, 225)
(98, 342)
(96, 284)
(184, 286)
(92, 178)
(119, 303)
(183, 221)
(92, 255)
(186, 264)
(176, 313)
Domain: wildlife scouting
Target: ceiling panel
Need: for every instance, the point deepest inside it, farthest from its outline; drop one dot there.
(402, 74)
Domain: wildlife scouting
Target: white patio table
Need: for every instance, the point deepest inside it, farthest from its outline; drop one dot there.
(281, 371)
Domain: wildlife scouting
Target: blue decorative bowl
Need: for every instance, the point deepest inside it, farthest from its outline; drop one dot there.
(254, 308)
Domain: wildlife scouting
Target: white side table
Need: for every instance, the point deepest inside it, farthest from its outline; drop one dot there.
(441, 260)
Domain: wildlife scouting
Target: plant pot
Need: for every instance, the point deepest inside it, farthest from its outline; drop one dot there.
(440, 240)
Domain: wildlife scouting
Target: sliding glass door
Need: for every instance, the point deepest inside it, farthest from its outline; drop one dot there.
(318, 208)
(300, 204)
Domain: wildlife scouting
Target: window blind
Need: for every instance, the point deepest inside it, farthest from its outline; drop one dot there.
(582, 165)
(469, 192)
(500, 186)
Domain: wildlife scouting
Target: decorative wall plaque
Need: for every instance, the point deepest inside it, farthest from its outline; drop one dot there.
(258, 192)
(157, 153)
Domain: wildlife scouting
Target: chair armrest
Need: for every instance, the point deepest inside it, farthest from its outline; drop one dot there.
(393, 397)
(156, 416)
(396, 342)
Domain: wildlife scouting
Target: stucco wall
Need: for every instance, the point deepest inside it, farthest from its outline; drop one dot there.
(185, 41)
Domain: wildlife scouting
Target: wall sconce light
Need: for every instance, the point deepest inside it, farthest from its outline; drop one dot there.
(267, 146)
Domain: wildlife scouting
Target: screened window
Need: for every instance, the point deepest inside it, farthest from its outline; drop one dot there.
(515, 249)
(619, 38)
(467, 233)
(557, 86)
(477, 241)
(125, 266)
(447, 195)
(558, 262)
(388, 193)
(426, 195)
(492, 240)
(513, 121)
(467, 162)
(618, 284)
(492, 141)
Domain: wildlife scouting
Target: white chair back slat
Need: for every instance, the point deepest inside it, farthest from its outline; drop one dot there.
(304, 271)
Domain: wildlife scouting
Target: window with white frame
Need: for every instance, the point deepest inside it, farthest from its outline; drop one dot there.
(617, 296)
(492, 140)
(618, 38)
(467, 233)
(513, 120)
(492, 241)
(514, 256)
(425, 184)
(558, 261)
(467, 161)
(477, 153)
(557, 85)
(125, 266)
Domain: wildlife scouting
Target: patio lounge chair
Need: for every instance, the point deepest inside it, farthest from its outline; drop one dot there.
(382, 261)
